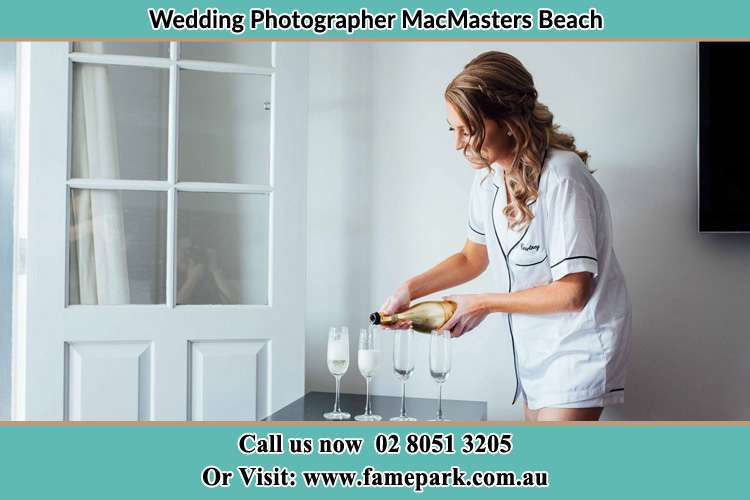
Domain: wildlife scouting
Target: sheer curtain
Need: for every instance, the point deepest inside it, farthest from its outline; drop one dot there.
(98, 256)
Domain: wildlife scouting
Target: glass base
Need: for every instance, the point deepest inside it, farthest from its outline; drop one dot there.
(403, 419)
(337, 415)
(368, 418)
(439, 420)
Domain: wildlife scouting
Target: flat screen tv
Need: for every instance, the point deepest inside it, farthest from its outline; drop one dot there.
(724, 137)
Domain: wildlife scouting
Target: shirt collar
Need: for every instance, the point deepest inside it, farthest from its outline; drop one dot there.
(498, 175)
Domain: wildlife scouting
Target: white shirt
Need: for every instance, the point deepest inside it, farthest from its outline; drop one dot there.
(568, 356)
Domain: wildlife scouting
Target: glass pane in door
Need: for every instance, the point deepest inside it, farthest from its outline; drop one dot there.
(148, 49)
(224, 127)
(249, 53)
(119, 122)
(222, 248)
(116, 247)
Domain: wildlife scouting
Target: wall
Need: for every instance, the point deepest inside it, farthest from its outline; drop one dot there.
(339, 176)
(633, 106)
(7, 162)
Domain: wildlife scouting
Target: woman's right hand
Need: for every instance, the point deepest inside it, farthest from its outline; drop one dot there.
(397, 302)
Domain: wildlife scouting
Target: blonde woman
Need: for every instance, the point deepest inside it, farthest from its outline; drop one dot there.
(542, 224)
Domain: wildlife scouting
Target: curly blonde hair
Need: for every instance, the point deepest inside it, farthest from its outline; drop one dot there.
(496, 86)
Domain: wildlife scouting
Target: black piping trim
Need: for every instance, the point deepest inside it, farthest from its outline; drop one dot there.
(481, 234)
(618, 389)
(507, 266)
(520, 239)
(572, 258)
(535, 263)
(544, 159)
(510, 276)
(528, 204)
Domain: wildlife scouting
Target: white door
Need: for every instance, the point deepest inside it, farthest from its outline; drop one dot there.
(166, 231)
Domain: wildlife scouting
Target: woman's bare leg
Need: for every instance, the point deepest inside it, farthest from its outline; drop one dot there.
(529, 415)
(568, 414)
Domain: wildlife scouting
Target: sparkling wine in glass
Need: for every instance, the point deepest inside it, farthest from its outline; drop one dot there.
(368, 358)
(403, 366)
(338, 362)
(440, 365)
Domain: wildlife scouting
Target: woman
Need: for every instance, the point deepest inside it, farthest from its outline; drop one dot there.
(539, 219)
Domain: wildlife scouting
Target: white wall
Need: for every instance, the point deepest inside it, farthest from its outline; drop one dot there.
(387, 198)
(339, 176)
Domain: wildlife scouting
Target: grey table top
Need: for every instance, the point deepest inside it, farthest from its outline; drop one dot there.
(312, 405)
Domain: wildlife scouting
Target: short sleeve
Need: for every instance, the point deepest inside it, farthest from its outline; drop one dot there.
(476, 226)
(570, 229)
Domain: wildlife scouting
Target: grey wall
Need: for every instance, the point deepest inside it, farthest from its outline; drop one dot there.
(633, 106)
(7, 168)
(339, 175)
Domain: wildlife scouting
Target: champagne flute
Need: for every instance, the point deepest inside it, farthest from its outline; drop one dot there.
(440, 365)
(368, 357)
(338, 363)
(403, 365)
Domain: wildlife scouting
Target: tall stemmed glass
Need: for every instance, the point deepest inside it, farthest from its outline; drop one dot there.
(368, 358)
(440, 365)
(338, 363)
(403, 365)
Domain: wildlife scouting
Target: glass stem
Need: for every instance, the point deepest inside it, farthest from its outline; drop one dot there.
(403, 398)
(440, 402)
(368, 410)
(336, 405)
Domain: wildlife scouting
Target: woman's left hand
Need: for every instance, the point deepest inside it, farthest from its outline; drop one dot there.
(470, 312)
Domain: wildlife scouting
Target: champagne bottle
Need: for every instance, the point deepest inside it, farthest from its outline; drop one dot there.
(425, 316)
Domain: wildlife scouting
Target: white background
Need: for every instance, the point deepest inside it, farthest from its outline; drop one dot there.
(387, 197)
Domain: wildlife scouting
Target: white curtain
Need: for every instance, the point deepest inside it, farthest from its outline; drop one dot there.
(99, 267)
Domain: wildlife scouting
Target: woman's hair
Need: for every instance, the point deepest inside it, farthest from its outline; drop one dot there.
(496, 86)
